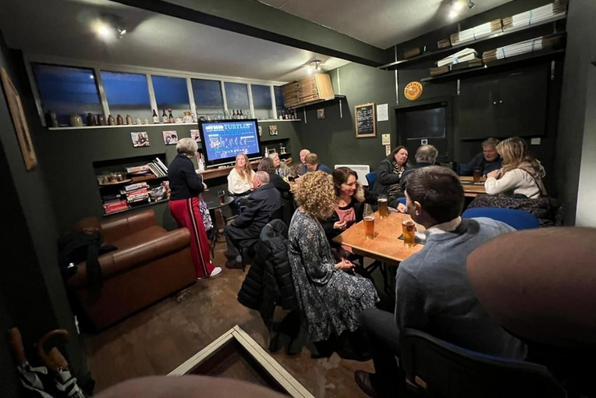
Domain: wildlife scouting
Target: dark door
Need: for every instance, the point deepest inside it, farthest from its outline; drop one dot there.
(426, 124)
(521, 106)
(477, 113)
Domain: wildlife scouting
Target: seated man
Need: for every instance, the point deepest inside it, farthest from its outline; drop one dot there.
(426, 155)
(432, 289)
(488, 160)
(312, 163)
(281, 169)
(302, 169)
(246, 228)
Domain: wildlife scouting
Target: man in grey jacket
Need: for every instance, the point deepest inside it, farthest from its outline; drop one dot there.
(432, 290)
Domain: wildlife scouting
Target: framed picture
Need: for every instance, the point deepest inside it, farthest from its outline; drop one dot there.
(273, 129)
(260, 131)
(194, 134)
(139, 139)
(20, 123)
(170, 137)
(365, 119)
(321, 113)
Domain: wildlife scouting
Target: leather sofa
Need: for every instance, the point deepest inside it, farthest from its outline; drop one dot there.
(149, 264)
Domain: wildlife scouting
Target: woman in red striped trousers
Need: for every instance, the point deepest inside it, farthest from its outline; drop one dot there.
(186, 186)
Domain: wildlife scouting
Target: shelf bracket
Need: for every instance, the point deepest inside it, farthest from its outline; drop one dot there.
(458, 86)
(552, 70)
(304, 110)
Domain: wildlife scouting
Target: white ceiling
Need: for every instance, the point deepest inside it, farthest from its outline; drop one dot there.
(64, 28)
(382, 23)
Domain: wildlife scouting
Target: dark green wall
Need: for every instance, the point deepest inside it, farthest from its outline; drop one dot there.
(334, 138)
(69, 156)
(30, 280)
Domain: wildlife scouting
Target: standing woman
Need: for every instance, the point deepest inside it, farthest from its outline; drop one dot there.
(389, 173)
(521, 173)
(240, 178)
(186, 186)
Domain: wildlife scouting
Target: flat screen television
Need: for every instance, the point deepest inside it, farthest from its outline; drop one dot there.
(224, 139)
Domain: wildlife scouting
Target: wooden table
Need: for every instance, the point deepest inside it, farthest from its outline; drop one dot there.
(471, 189)
(385, 246)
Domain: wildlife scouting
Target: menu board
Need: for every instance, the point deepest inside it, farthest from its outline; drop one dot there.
(365, 120)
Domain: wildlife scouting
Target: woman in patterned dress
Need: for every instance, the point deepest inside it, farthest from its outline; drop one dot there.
(330, 295)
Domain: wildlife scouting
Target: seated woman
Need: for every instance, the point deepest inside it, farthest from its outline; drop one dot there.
(240, 178)
(329, 294)
(349, 206)
(389, 173)
(277, 181)
(281, 169)
(521, 173)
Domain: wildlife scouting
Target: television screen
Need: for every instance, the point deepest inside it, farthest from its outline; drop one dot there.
(224, 139)
(425, 123)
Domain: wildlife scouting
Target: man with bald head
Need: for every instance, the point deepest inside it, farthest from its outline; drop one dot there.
(302, 169)
(246, 228)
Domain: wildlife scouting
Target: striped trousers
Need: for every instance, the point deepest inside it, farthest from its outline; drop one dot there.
(187, 214)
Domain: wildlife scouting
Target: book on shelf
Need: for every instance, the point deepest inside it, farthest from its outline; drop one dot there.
(144, 169)
(134, 187)
(445, 43)
(467, 54)
(523, 47)
(156, 170)
(473, 63)
(477, 32)
(535, 15)
(115, 207)
(161, 165)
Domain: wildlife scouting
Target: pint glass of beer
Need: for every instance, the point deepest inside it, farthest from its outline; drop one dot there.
(477, 174)
(383, 210)
(409, 233)
(369, 222)
(222, 197)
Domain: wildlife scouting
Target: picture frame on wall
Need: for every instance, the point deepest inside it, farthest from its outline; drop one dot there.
(273, 129)
(170, 137)
(321, 113)
(365, 120)
(195, 135)
(19, 121)
(139, 139)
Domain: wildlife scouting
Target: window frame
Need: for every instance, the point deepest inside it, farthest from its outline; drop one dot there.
(98, 67)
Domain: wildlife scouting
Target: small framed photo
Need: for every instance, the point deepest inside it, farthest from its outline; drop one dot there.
(273, 129)
(321, 113)
(194, 134)
(139, 139)
(170, 137)
(260, 131)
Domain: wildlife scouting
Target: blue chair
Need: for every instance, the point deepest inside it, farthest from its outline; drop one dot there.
(445, 370)
(518, 219)
(371, 178)
(402, 200)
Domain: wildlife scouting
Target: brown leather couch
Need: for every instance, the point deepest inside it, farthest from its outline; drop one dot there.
(149, 264)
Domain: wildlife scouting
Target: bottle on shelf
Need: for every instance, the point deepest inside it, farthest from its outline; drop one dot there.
(129, 120)
(164, 117)
(234, 114)
(171, 117)
(241, 115)
(279, 114)
(119, 120)
(155, 117)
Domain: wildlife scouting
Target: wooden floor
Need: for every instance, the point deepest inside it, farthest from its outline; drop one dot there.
(158, 339)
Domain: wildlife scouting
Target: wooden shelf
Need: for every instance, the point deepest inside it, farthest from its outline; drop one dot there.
(492, 65)
(435, 55)
(196, 125)
(337, 97)
(134, 207)
(133, 180)
(278, 120)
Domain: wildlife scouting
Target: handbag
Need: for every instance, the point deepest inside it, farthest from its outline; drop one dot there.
(204, 210)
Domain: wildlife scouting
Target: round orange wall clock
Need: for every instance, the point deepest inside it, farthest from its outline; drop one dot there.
(413, 91)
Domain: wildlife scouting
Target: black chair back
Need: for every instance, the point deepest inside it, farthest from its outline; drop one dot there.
(447, 371)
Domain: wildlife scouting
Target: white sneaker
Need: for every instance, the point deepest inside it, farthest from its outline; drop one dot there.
(216, 271)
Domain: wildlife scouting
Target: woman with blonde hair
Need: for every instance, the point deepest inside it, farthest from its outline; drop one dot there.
(240, 178)
(186, 186)
(330, 295)
(520, 174)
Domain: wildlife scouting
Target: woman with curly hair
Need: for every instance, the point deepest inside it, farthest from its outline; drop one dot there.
(349, 207)
(330, 295)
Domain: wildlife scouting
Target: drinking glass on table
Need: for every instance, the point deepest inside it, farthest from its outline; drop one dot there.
(369, 222)
(477, 174)
(383, 210)
(222, 197)
(409, 232)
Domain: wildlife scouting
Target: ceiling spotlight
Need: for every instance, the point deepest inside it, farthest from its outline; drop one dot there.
(471, 4)
(452, 14)
(457, 5)
(314, 66)
(121, 32)
(103, 31)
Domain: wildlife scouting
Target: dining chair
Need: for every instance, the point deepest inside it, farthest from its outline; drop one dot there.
(517, 219)
(371, 178)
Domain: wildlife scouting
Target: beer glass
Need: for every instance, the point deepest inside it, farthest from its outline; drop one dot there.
(409, 232)
(369, 222)
(477, 174)
(383, 210)
(222, 197)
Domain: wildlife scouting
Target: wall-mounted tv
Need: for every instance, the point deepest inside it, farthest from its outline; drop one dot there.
(224, 139)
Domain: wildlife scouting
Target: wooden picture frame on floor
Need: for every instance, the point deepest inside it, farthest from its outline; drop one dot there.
(237, 343)
(365, 120)
(17, 114)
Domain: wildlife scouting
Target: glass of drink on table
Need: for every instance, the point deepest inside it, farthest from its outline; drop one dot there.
(477, 174)
(222, 197)
(409, 232)
(369, 222)
(383, 210)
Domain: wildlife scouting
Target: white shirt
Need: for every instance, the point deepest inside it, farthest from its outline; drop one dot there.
(444, 227)
(237, 185)
(515, 181)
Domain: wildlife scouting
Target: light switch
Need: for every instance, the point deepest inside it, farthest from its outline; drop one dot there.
(535, 141)
(424, 141)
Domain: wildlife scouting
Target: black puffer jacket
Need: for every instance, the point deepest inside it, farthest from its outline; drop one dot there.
(269, 279)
